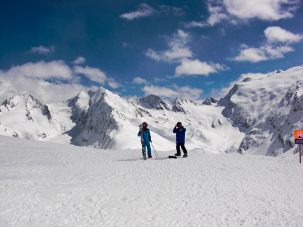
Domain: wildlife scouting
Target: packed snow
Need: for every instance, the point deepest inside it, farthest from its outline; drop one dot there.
(48, 184)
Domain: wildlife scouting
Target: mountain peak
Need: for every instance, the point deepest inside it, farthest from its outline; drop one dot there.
(153, 101)
(178, 104)
(25, 98)
(209, 101)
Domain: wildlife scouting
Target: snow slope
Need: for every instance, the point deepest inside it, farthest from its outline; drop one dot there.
(47, 184)
(268, 110)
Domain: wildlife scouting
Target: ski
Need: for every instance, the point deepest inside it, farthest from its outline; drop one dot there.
(172, 156)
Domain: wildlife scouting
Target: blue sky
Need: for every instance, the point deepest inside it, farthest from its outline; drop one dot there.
(54, 49)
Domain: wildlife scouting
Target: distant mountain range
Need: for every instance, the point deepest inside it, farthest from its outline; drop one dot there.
(256, 116)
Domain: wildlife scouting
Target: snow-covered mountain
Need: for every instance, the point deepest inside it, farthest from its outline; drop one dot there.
(25, 117)
(267, 110)
(258, 116)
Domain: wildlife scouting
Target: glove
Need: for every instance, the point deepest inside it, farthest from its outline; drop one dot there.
(150, 140)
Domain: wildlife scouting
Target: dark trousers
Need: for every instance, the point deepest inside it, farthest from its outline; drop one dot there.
(183, 148)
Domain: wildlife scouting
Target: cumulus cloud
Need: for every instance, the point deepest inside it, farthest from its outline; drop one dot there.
(177, 49)
(276, 34)
(185, 92)
(43, 70)
(194, 67)
(144, 10)
(113, 84)
(188, 92)
(49, 81)
(160, 91)
(252, 55)
(179, 52)
(217, 14)
(264, 10)
(139, 80)
(93, 74)
(79, 60)
(276, 46)
(43, 50)
(234, 11)
(12, 83)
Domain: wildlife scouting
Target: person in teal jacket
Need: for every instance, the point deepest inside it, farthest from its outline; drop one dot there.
(145, 140)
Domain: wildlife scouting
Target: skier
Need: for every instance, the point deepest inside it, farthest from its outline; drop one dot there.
(145, 139)
(180, 139)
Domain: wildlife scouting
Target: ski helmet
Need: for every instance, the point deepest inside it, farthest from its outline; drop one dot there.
(144, 124)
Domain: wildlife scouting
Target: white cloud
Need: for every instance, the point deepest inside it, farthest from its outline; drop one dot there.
(79, 60)
(144, 10)
(252, 55)
(32, 78)
(179, 52)
(193, 24)
(113, 84)
(190, 93)
(46, 92)
(160, 91)
(154, 55)
(261, 9)
(185, 92)
(217, 14)
(276, 52)
(272, 49)
(139, 80)
(234, 11)
(93, 74)
(43, 70)
(177, 49)
(194, 67)
(43, 50)
(276, 34)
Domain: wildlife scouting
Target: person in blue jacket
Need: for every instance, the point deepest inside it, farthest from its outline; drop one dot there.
(145, 139)
(180, 139)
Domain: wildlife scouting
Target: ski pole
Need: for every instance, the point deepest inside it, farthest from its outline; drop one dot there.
(156, 154)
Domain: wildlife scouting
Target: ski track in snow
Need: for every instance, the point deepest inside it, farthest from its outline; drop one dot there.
(45, 184)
